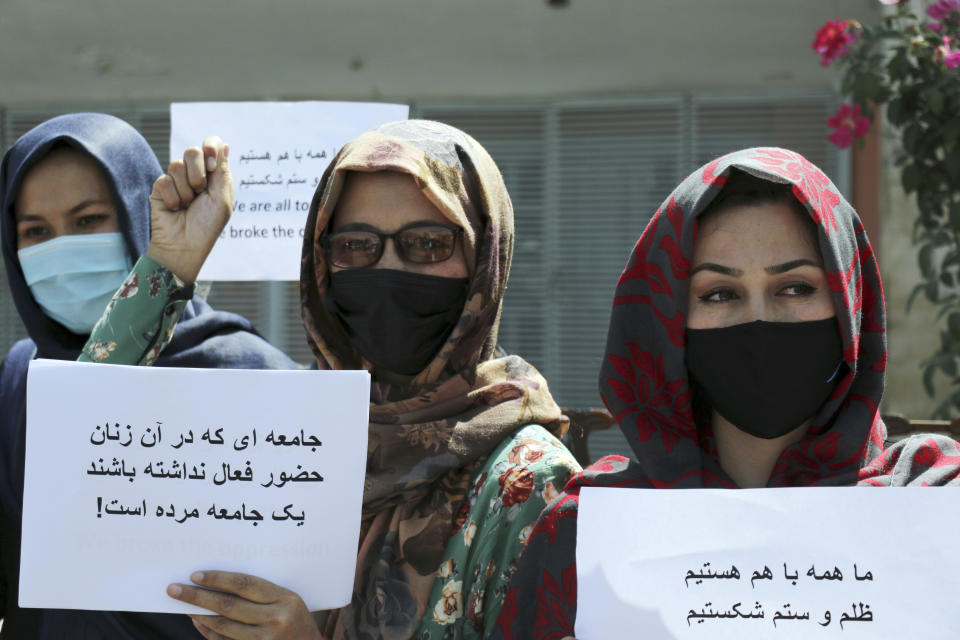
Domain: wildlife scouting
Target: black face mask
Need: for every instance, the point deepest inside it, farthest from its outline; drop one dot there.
(397, 320)
(766, 378)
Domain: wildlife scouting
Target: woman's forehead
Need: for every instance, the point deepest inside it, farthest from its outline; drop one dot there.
(762, 232)
(60, 177)
(383, 199)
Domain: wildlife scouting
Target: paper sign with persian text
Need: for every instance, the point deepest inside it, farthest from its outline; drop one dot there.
(768, 563)
(278, 151)
(137, 476)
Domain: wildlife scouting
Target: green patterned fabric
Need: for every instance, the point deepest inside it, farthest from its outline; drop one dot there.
(506, 492)
(505, 495)
(140, 319)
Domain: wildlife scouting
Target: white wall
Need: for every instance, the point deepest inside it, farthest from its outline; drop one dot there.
(52, 52)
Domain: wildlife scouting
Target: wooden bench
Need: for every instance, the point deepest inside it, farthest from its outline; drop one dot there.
(585, 422)
(899, 427)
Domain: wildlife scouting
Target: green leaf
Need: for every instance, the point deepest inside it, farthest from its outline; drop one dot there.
(931, 288)
(951, 133)
(951, 165)
(949, 366)
(954, 222)
(913, 294)
(899, 65)
(953, 323)
(911, 178)
(868, 86)
(946, 308)
(941, 238)
(925, 260)
(928, 374)
(934, 99)
(946, 278)
(912, 138)
(895, 112)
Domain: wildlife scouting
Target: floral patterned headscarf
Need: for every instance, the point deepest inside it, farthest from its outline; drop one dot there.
(427, 436)
(645, 385)
(644, 380)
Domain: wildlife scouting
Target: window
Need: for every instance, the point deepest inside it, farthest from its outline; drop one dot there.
(584, 176)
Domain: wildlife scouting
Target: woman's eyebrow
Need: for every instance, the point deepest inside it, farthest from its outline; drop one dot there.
(793, 264)
(75, 209)
(719, 268)
(356, 226)
(90, 202)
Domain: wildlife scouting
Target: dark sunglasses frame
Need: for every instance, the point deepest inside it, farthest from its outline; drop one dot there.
(328, 239)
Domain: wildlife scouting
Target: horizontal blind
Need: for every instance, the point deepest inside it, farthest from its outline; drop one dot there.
(584, 177)
(516, 138)
(614, 165)
(797, 122)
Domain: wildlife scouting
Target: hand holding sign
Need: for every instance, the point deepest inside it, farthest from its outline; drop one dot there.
(189, 207)
(249, 607)
(238, 474)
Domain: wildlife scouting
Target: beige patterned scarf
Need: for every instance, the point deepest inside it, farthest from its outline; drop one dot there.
(426, 437)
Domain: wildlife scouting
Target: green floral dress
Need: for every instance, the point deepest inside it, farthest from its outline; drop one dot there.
(506, 494)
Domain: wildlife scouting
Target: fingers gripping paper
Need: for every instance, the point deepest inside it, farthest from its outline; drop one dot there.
(766, 563)
(137, 476)
(278, 151)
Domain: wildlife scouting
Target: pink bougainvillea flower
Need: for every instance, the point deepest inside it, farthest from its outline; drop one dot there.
(943, 9)
(834, 39)
(936, 27)
(848, 123)
(949, 57)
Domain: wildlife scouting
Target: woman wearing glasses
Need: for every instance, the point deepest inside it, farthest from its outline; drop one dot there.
(406, 253)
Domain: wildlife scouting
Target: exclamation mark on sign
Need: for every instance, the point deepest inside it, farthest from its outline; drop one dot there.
(99, 507)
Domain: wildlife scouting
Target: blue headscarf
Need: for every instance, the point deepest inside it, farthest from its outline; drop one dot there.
(203, 338)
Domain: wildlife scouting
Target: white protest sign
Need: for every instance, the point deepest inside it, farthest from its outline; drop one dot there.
(767, 563)
(278, 151)
(137, 476)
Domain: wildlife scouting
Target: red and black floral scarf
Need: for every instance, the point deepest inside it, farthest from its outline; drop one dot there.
(645, 385)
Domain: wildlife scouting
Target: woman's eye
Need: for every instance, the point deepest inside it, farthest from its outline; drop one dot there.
(34, 232)
(426, 243)
(717, 296)
(91, 220)
(798, 290)
(360, 246)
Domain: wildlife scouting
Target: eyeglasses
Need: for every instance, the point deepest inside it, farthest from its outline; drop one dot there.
(419, 243)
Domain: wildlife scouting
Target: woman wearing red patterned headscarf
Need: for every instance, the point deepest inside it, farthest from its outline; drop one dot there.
(747, 348)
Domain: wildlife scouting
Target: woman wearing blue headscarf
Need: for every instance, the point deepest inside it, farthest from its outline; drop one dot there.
(75, 217)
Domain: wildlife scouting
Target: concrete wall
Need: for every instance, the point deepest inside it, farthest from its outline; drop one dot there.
(912, 336)
(52, 51)
(99, 52)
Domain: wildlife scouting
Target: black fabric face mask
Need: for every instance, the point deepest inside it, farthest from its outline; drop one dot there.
(398, 320)
(766, 378)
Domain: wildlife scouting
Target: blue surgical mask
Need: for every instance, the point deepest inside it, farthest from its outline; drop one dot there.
(73, 277)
